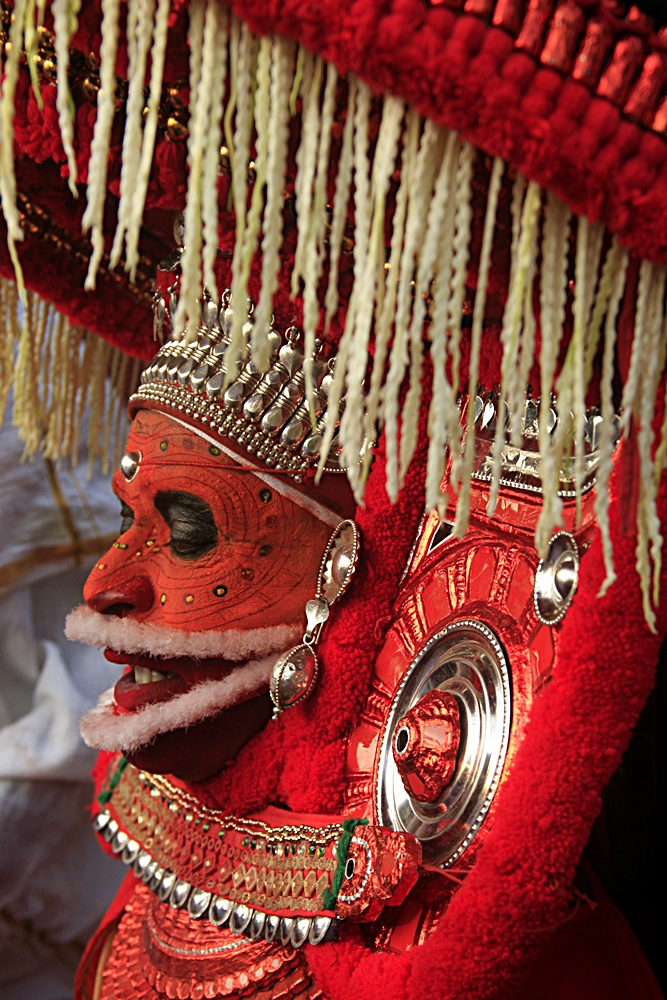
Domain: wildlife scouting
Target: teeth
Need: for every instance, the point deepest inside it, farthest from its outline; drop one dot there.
(142, 675)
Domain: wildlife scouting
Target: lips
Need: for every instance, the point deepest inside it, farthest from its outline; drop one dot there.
(149, 680)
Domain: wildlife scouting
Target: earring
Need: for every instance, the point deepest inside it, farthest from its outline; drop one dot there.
(294, 675)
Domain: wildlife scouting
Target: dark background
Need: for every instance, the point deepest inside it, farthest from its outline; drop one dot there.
(627, 848)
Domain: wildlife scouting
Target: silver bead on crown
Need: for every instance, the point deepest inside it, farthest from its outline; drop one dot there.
(267, 413)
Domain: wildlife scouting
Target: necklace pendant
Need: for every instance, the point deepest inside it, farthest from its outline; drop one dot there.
(293, 677)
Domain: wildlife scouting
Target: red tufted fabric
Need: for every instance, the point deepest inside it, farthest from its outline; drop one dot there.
(512, 81)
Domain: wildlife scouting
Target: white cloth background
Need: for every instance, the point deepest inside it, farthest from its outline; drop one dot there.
(55, 882)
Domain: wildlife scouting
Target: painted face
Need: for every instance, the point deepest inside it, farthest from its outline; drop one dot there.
(207, 581)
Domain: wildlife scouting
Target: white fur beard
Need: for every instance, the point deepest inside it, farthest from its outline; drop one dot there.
(101, 728)
(125, 635)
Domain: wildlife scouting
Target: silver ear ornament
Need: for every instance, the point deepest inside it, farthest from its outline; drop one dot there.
(294, 675)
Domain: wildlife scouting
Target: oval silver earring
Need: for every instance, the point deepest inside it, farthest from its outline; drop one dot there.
(294, 675)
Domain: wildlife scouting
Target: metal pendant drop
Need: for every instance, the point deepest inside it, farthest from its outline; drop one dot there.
(293, 677)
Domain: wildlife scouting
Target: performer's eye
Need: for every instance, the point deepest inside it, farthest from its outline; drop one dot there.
(126, 517)
(193, 530)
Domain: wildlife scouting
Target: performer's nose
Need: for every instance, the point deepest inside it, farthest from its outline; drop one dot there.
(132, 596)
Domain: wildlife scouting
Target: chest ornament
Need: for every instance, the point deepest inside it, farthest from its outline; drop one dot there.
(258, 876)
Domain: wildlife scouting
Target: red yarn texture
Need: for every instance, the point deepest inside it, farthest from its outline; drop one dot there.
(466, 75)
(453, 67)
(575, 738)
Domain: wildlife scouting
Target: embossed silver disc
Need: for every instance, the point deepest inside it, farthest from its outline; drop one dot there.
(466, 660)
(556, 579)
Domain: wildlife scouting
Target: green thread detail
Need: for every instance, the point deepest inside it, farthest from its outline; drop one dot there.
(104, 797)
(329, 896)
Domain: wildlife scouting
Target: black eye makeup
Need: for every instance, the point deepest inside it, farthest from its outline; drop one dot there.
(126, 517)
(191, 522)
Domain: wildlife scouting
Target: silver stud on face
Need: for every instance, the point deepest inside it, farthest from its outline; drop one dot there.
(154, 883)
(110, 830)
(119, 841)
(130, 852)
(556, 579)
(129, 464)
(149, 871)
(141, 864)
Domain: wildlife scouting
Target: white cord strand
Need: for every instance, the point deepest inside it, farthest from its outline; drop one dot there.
(251, 231)
(441, 415)
(428, 161)
(618, 258)
(93, 217)
(463, 503)
(638, 352)
(140, 18)
(649, 539)
(385, 310)
(158, 53)
(240, 160)
(65, 22)
(586, 273)
(314, 250)
(553, 296)
(460, 256)
(282, 71)
(361, 236)
(511, 392)
(212, 152)
(306, 160)
(186, 321)
(352, 422)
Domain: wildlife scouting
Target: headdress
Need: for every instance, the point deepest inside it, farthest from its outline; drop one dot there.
(370, 214)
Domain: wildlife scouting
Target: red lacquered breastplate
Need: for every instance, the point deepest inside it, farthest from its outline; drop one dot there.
(467, 652)
(160, 952)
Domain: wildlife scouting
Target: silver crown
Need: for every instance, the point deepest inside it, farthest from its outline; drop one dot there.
(520, 467)
(267, 413)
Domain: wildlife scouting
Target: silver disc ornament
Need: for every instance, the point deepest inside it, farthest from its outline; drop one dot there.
(556, 579)
(466, 661)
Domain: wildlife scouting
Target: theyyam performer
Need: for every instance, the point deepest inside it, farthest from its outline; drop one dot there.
(388, 595)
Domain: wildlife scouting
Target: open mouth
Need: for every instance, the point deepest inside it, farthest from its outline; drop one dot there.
(144, 684)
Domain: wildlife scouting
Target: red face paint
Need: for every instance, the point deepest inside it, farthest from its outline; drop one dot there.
(262, 568)
(259, 565)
